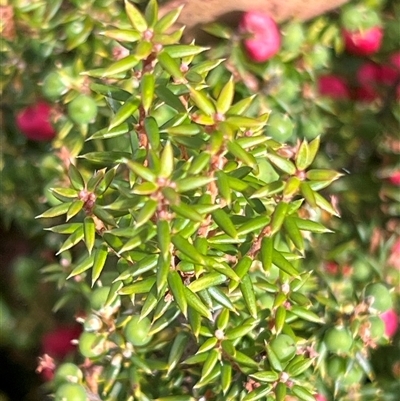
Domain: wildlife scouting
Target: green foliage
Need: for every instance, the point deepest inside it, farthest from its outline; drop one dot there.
(187, 202)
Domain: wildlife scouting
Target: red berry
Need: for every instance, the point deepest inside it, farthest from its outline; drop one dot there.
(368, 74)
(320, 397)
(333, 86)
(57, 343)
(331, 267)
(265, 39)
(388, 75)
(391, 321)
(395, 178)
(363, 43)
(34, 122)
(47, 374)
(367, 77)
(366, 94)
(394, 60)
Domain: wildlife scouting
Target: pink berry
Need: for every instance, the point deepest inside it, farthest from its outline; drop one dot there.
(396, 247)
(264, 39)
(34, 122)
(363, 43)
(391, 321)
(47, 375)
(395, 178)
(367, 77)
(368, 74)
(388, 75)
(57, 343)
(333, 86)
(331, 267)
(366, 94)
(395, 60)
(320, 397)
(394, 256)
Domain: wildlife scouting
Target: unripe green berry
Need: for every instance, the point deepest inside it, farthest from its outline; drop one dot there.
(336, 367)
(70, 392)
(68, 372)
(338, 340)
(284, 347)
(137, 331)
(378, 297)
(279, 127)
(82, 110)
(92, 345)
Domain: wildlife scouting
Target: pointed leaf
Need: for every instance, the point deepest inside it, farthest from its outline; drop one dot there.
(323, 175)
(302, 393)
(187, 248)
(150, 302)
(306, 314)
(202, 101)
(206, 281)
(123, 35)
(221, 298)
(226, 377)
(309, 225)
(177, 349)
(247, 290)
(139, 287)
(55, 211)
(89, 229)
(225, 97)
(141, 171)
(282, 263)
(266, 253)
(247, 158)
(146, 212)
(76, 178)
(265, 376)
(68, 228)
(194, 319)
(325, 205)
(170, 99)
(124, 65)
(241, 270)
(177, 288)
(283, 164)
(151, 13)
(224, 222)
(195, 302)
(184, 129)
(209, 363)
(72, 240)
(168, 20)
(191, 183)
(124, 112)
(164, 237)
(180, 51)
(303, 156)
(80, 268)
(100, 258)
(135, 17)
(171, 66)
(75, 208)
(294, 233)
(188, 212)
(309, 194)
(273, 359)
(147, 86)
(253, 225)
